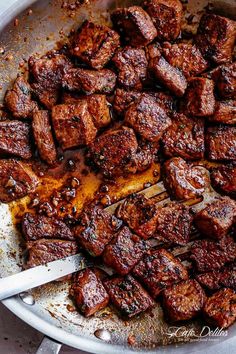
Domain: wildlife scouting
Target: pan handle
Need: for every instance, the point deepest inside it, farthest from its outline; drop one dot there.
(49, 346)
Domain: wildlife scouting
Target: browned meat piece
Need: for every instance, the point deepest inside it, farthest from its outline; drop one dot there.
(113, 152)
(184, 181)
(44, 251)
(147, 118)
(208, 255)
(47, 74)
(166, 101)
(15, 139)
(174, 223)
(124, 251)
(18, 99)
(140, 214)
(184, 300)
(184, 138)
(131, 64)
(95, 44)
(146, 154)
(16, 180)
(199, 99)
(90, 81)
(223, 178)
(215, 38)
(225, 277)
(89, 293)
(35, 227)
(128, 296)
(225, 112)
(73, 125)
(226, 80)
(158, 270)
(170, 77)
(95, 230)
(43, 137)
(221, 143)
(217, 218)
(135, 25)
(185, 56)
(220, 308)
(123, 99)
(166, 16)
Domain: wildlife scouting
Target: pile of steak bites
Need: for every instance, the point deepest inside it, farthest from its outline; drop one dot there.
(168, 95)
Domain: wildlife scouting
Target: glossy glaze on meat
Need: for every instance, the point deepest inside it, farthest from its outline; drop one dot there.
(216, 279)
(223, 178)
(221, 143)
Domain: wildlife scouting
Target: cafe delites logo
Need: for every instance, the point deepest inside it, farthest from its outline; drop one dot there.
(206, 333)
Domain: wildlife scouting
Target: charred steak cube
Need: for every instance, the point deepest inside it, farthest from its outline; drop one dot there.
(183, 301)
(216, 279)
(128, 296)
(95, 44)
(184, 181)
(146, 154)
(225, 112)
(184, 138)
(135, 25)
(95, 230)
(35, 227)
(44, 250)
(221, 143)
(15, 139)
(208, 255)
(199, 99)
(186, 57)
(215, 38)
(43, 136)
(140, 214)
(16, 180)
(158, 270)
(131, 64)
(18, 99)
(217, 218)
(90, 81)
(73, 125)
(173, 223)
(124, 251)
(113, 152)
(166, 16)
(89, 293)
(123, 99)
(226, 80)
(220, 308)
(223, 178)
(147, 118)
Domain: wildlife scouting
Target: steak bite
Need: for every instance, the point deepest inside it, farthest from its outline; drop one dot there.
(221, 143)
(147, 118)
(128, 296)
(123, 98)
(217, 218)
(43, 251)
(18, 99)
(43, 137)
(16, 180)
(135, 25)
(113, 152)
(15, 139)
(88, 292)
(199, 98)
(166, 16)
(186, 57)
(124, 251)
(216, 279)
(174, 223)
(140, 214)
(184, 138)
(35, 227)
(223, 178)
(146, 154)
(90, 81)
(226, 80)
(183, 301)
(225, 112)
(209, 255)
(158, 270)
(95, 230)
(215, 38)
(131, 64)
(73, 125)
(220, 308)
(184, 181)
(95, 44)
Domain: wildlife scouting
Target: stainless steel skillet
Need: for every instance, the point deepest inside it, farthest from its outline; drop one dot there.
(51, 311)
